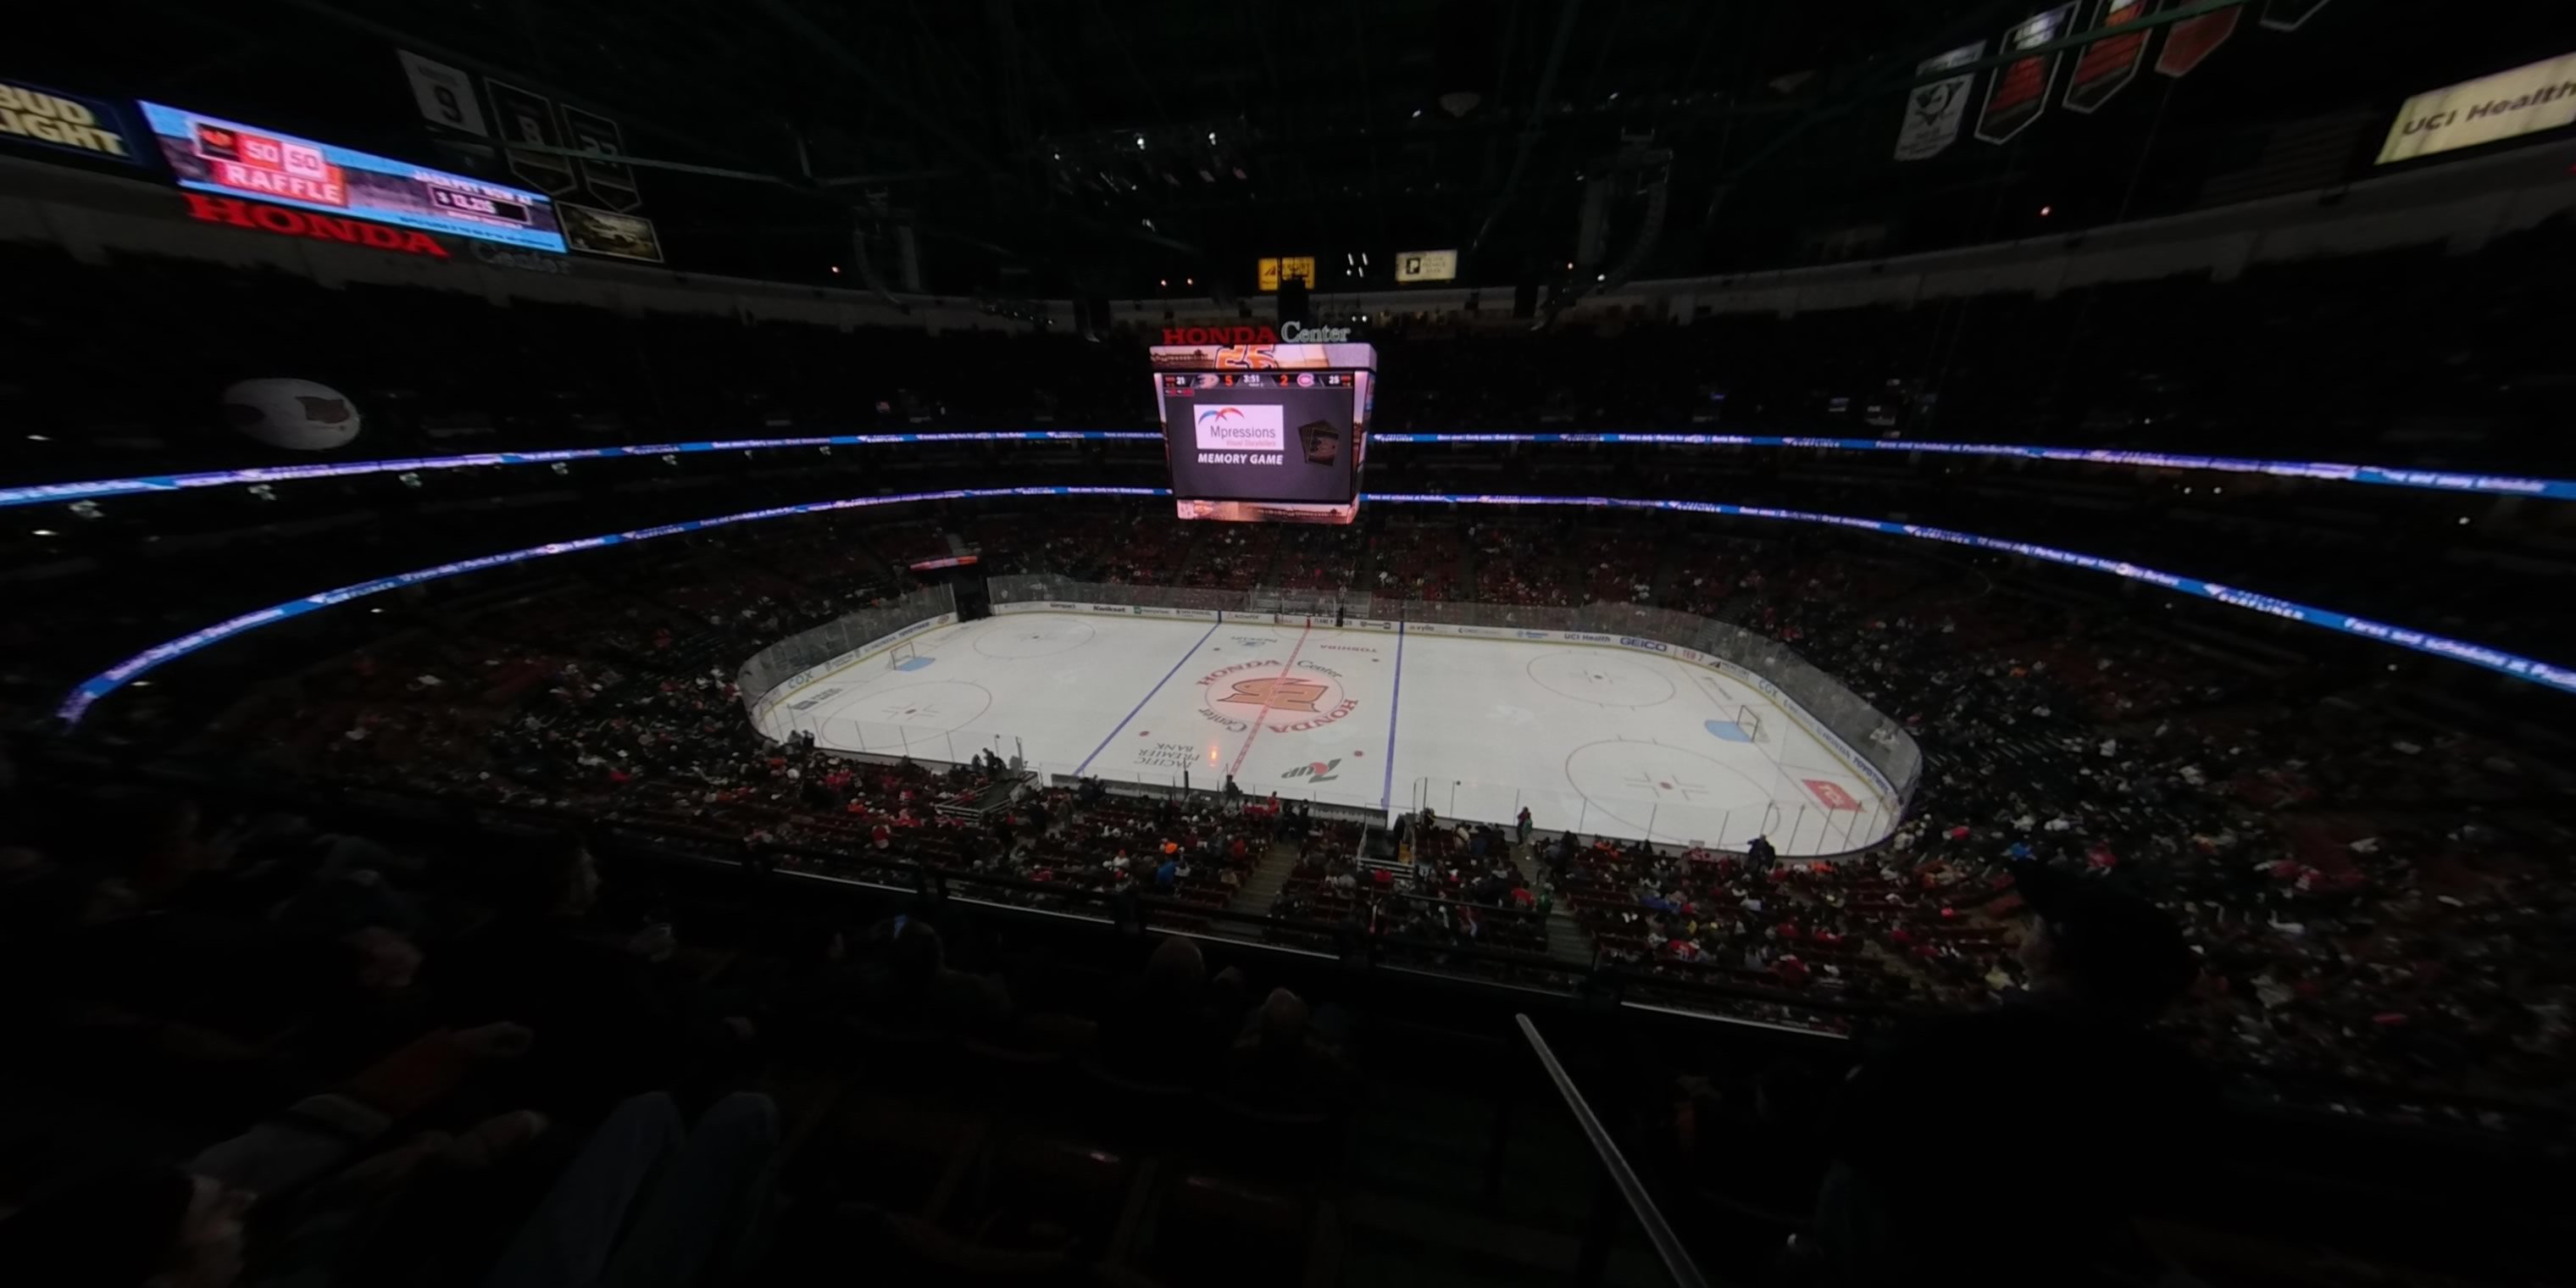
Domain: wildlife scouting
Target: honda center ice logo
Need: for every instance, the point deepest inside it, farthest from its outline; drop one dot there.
(1225, 427)
(1296, 698)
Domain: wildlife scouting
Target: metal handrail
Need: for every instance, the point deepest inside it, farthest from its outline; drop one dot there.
(1677, 1260)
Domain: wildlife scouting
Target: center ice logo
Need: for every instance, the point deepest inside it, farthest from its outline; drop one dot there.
(1286, 693)
(1320, 771)
(1293, 699)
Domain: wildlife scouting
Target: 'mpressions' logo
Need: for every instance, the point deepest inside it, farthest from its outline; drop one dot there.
(1225, 427)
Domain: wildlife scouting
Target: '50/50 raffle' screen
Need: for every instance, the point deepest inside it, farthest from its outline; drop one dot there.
(1265, 432)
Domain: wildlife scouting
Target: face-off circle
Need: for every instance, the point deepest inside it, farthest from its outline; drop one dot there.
(1028, 638)
(1680, 795)
(932, 707)
(1600, 677)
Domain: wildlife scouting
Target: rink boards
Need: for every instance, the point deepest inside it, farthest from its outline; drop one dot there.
(1599, 734)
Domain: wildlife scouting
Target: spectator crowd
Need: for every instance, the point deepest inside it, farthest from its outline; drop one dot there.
(2371, 898)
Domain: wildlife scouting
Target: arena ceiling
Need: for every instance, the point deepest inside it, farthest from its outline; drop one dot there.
(1085, 146)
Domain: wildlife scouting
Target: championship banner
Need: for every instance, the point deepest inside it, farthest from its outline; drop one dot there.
(606, 232)
(526, 117)
(2191, 41)
(1933, 112)
(444, 94)
(2020, 89)
(90, 127)
(2533, 97)
(613, 182)
(2289, 15)
(2107, 65)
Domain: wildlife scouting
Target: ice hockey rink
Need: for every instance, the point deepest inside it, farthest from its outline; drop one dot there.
(1596, 739)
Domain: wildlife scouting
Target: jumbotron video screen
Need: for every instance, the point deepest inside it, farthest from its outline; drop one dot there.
(210, 154)
(1265, 432)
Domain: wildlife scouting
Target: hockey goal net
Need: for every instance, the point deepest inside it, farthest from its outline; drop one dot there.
(898, 655)
(1750, 721)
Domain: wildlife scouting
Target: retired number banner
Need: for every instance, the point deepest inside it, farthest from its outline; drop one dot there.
(2020, 89)
(613, 182)
(524, 116)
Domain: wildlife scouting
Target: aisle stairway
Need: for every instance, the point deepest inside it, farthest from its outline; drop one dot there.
(1567, 940)
(1261, 889)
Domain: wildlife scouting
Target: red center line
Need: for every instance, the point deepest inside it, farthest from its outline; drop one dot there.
(1284, 669)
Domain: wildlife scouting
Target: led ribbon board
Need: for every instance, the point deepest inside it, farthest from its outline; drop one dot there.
(91, 490)
(2322, 471)
(229, 159)
(2325, 471)
(78, 702)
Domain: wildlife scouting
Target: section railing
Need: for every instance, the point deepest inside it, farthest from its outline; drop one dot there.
(1619, 1184)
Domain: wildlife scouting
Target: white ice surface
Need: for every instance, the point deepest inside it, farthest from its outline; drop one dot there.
(1592, 739)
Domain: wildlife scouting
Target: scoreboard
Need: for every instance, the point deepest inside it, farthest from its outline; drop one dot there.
(1265, 432)
(209, 154)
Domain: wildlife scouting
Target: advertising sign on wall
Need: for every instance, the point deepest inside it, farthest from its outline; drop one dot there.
(1426, 266)
(606, 232)
(2530, 98)
(1269, 271)
(238, 213)
(66, 122)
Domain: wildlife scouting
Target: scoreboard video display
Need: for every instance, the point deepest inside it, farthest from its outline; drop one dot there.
(1265, 432)
(213, 155)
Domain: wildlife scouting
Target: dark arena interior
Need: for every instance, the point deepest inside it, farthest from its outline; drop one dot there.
(1431, 642)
